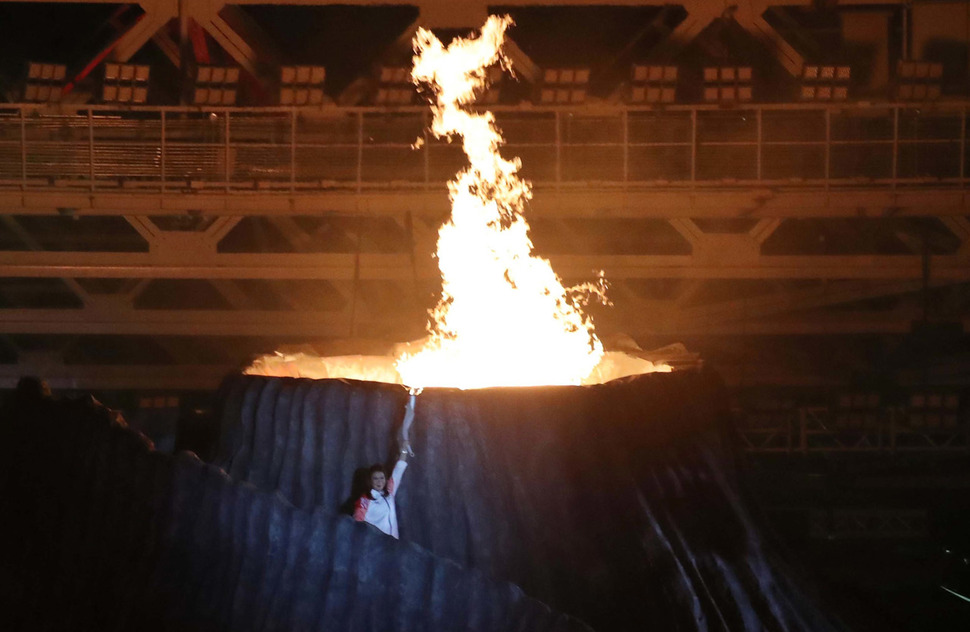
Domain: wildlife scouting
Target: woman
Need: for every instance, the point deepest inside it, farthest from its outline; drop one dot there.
(377, 505)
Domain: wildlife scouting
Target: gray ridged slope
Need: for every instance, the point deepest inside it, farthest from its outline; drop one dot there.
(101, 533)
(615, 503)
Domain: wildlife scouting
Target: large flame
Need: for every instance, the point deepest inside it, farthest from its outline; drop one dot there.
(504, 317)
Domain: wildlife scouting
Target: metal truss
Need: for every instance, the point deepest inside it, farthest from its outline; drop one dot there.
(249, 47)
(821, 430)
(778, 160)
(228, 164)
(769, 163)
(868, 522)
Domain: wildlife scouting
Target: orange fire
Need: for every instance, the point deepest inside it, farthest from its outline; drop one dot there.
(504, 318)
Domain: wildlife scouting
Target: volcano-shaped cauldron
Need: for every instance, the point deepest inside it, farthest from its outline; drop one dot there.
(615, 503)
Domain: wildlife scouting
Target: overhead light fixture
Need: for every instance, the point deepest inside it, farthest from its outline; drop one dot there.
(45, 82)
(825, 83)
(728, 84)
(216, 85)
(653, 84)
(302, 85)
(395, 87)
(125, 83)
(563, 86)
(918, 80)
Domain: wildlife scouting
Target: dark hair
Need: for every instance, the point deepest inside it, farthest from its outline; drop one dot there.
(374, 469)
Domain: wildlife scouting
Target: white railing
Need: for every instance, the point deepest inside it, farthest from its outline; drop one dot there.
(356, 149)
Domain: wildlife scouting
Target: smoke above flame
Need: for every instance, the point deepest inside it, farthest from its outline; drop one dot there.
(504, 317)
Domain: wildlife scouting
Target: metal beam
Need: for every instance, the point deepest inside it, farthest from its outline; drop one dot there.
(784, 302)
(172, 264)
(750, 15)
(109, 377)
(306, 324)
(805, 325)
(588, 201)
(190, 322)
(157, 15)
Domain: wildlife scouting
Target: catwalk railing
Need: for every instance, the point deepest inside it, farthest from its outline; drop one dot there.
(356, 149)
(824, 429)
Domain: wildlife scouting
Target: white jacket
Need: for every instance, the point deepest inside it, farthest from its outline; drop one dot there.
(378, 509)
